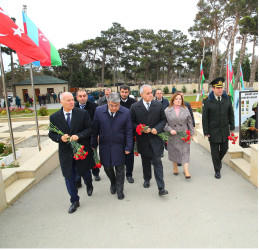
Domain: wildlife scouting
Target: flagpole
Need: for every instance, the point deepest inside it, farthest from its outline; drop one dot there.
(7, 108)
(33, 94)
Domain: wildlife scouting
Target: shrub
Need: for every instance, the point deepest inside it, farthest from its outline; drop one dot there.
(6, 149)
(194, 91)
(184, 89)
(27, 105)
(43, 111)
(166, 90)
(199, 110)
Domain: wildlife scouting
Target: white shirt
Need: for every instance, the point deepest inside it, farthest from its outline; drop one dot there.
(145, 103)
(216, 97)
(124, 100)
(111, 113)
(70, 112)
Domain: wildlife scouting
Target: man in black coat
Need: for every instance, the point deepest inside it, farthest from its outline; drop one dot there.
(126, 102)
(77, 126)
(217, 122)
(83, 103)
(150, 146)
(159, 97)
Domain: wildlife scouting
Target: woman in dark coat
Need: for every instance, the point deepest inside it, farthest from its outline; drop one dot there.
(179, 120)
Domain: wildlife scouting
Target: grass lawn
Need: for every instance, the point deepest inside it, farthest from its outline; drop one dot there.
(50, 111)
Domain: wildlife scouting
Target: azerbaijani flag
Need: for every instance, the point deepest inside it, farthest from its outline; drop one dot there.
(231, 80)
(242, 78)
(202, 80)
(42, 41)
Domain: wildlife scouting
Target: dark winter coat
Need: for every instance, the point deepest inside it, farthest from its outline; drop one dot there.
(81, 126)
(217, 117)
(115, 135)
(148, 143)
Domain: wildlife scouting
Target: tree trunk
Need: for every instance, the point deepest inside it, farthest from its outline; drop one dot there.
(241, 58)
(254, 65)
(103, 64)
(169, 68)
(221, 73)
(146, 73)
(125, 76)
(213, 66)
(233, 38)
(163, 77)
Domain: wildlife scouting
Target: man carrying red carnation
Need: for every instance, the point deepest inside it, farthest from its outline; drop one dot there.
(150, 146)
(217, 122)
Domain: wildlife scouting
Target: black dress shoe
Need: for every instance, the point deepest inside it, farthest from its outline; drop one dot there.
(121, 196)
(130, 179)
(146, 184)
(97, 178)
(89, 190)
(162, 191)
(217, 175)
(73, 207)
(113, 189)
(179, 164)
(78, 184)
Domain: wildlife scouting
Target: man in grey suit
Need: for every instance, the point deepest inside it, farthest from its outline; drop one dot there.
(103, 100)
(150, 146)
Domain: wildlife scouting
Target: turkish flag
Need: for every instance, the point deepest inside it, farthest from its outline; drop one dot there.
(13, 37)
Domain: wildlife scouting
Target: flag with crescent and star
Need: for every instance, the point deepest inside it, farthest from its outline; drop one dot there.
(42, 41)
(13, 37)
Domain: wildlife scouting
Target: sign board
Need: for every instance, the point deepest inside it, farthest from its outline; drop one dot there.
(247, 118)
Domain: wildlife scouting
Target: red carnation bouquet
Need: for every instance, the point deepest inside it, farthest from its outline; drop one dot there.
(232, 138)
(185, 136)
(97, 160)
(78, 149)
(165, 136)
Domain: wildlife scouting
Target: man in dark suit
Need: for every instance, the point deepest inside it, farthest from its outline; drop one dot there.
(77, 126)
(103, 99)
(217, 122)
(113, 126)
(159, 97)
(150, 146)
(84, 103)
(126, 102)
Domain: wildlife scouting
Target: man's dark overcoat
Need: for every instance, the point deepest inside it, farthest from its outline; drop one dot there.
(149, 144)
(217, 117)
(115, 135)
(90, 107)
(81, 126)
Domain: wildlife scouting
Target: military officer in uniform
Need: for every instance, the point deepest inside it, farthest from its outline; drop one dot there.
(249, 128)
(217, 122)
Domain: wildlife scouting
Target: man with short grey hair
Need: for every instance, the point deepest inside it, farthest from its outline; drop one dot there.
(103, 100)
(113, 125)
(150, 146)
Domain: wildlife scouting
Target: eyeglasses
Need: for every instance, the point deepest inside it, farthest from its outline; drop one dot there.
(114, 106)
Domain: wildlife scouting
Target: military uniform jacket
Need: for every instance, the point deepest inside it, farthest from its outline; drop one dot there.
(217, 117)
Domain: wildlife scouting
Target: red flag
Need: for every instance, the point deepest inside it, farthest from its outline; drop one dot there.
(13, 37)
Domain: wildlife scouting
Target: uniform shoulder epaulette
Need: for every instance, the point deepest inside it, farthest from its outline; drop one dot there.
(205, 97)
(229, 95)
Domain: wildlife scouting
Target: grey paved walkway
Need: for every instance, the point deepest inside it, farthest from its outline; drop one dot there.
(202, 212)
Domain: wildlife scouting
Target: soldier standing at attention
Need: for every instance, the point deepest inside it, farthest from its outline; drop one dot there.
(217, 122)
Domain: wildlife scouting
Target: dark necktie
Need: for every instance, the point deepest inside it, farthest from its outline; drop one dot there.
(112, 115)
(68, 119)
(148, 105)
(219, 98)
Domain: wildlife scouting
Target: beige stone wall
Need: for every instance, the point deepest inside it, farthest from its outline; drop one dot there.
(43, 89)
(3, 202)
